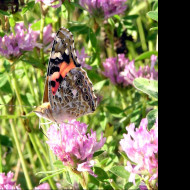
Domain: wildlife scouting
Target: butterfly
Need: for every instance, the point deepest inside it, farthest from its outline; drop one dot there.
(68, 92)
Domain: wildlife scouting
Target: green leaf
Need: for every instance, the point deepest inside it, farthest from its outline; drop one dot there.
(29, 6)
(130, 186)
(5, 13)
(154, 28)
(102, 175)
(111, 22)
(4, 84)
(30, 99)
(7, 65)
(103, 120)
(120, 171)
(147, 86)
(6, 141)
(93, 180)
(68, 178)
(109, 130)
(151, 116)
(127, 158)
(48, 21)
(3, 79)
(36, 26)
(135, 115)
(58, 164)
(131, 17)
(117, 17)
(127, 23)
(98, 86)
(92, 38)
(114, 109)
(79, 28)
(7, 99)
(49, 172)
(153, 103)
(18, 17)
(50, 176)
(25, 100)
(2, 34)
(153, 15)
(77, 5)
(146, 55)
(155, 6)
(98, 153)
(12, 21)
(32, 61)
(9, 116)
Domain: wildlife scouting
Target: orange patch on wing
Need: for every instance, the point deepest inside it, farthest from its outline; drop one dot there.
(65, 68)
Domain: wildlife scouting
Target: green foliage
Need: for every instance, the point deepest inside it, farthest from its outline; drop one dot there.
(147, 86)
(22, 81)
(120, 171)
(153, 15)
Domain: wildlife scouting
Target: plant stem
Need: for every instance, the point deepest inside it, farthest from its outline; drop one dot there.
(141, 34)
(28, 181)
(31, 135)
(41, 33)
(32, 138)
(30, 155)
(15, 85)
(110, 36)
(1, 170)
(30, 84)
(41, 148)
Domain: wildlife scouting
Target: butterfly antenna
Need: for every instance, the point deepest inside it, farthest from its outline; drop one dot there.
(43, 133)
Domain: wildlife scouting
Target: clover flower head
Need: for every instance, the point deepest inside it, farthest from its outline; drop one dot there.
(73, 146)
(122, 71)
(14, 45)
(42, 186)
(104, 8)
(7, 183)
(141, 146)
(46, 186)
(113, 67)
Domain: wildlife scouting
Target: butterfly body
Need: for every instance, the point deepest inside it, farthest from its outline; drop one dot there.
(68, 91)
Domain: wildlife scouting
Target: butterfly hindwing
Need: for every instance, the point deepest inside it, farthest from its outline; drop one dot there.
(74, 96)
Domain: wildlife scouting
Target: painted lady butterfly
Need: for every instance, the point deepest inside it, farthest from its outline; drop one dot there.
(68, 91)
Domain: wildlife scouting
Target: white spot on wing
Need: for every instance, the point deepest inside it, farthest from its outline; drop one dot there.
(74, 91)
(57, 54)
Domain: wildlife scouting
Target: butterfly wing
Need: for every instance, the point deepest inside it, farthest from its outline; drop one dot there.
(70, 91)
(61, 60)
(74, 97)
